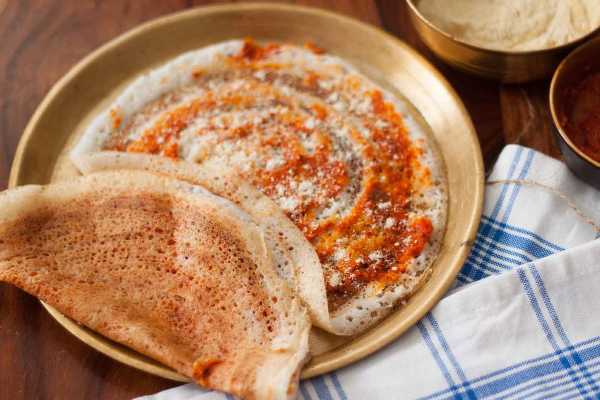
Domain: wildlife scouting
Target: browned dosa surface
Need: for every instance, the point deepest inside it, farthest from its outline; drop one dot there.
(162, 267)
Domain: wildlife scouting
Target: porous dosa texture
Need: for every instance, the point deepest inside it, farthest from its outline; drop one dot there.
(346, 160)
(295, 258)
(163, 267)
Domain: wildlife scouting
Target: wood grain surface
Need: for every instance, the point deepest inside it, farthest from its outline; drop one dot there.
(42, 39)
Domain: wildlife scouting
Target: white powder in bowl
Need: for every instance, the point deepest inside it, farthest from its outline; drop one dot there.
(513, 24)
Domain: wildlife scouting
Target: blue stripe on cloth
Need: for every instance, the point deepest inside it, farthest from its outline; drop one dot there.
(229, 397)
(466, 273)
(474, 262)
(496, 234)
(541, 385)
(436, 355)
(338, 387)
(444, 343)
(514, 252)
(558, 325)
(524, 244)
(541, 388)
(304, 391)
(498, 261)
(485, 230)
(514, 249)
(534, 370)
(575, 396)
(493, 267)
(491, 262)
(546, 328)
(321, 388)
(563, 391)
(504, 256)
(516, 229)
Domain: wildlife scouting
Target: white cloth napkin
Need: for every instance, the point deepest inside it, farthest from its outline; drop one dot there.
(523, 319)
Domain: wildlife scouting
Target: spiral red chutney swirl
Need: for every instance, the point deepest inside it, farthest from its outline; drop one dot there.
(331, 150)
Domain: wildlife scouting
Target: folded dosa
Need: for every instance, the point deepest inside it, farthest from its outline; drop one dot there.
(296, 259)
(164, 267)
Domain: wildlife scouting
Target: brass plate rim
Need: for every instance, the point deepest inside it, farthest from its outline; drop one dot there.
(337, 358)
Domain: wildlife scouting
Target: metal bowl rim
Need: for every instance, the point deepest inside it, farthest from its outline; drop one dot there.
(552, 100)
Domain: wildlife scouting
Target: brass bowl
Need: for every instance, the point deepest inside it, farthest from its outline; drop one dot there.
(572, 70)
(506, 66)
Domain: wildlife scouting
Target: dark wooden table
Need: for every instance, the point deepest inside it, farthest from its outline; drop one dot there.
(42, 39)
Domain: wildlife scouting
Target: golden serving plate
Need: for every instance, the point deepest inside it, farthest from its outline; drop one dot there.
(92, 84)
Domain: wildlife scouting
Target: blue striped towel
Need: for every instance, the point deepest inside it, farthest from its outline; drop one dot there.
(523, 318)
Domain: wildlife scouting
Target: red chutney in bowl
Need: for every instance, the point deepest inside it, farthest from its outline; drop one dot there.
(583, 122)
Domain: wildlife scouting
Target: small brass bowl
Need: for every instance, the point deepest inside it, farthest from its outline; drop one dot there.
(506, 66)
(576, 67)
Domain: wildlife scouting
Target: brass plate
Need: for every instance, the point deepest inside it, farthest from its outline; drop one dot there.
(96, 80)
